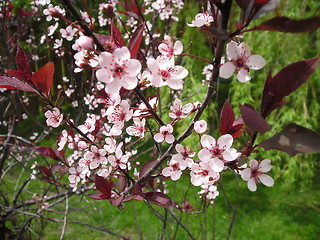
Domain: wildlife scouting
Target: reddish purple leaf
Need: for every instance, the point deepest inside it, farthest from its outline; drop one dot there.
(43, 78)
(294, 139)
(116, 36)
(137, 190)
(288, 80)
(135, 41)
(159, 198)
(116, 201)
(145, 167)
(285, 24)
(56, 167)
(226, 118)
(253, 119)
(14, 83)
(49, 152)
(97, 196)
(22, 62)
(45, 170)
(103, 185)
(121, 183)
(20, 75)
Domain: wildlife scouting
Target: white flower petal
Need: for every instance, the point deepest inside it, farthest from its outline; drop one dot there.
(169, 139)
(243, 50)
(129, 83)
(133, 67)
(243, 75)
(122, 53)
(246, 174)
(232, 50)
(266, 180)
(230, 154)
(158, 137)
(217, 165)
(113, 87)
(226, 70)
(252, 185)
(265, 166)
(208, 141)
(153, 65)
(225, 141)
(178, 48)
(253, 164)
(256, 62)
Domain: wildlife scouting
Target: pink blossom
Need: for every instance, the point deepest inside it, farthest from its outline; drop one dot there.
(174, 169)
(138, 128)
(76, 174)
(256, 174)
(97, 155)
(68, 33)
(200, 126)
(201, 19)
(62, 140)
(202, 174)
(240, 62)
(118, 70)
(120, 114)
(216, 152)
(53, 12)
(164, 72)
(111, 145)
(54, 117)
(178, 111)
(184, 153)
(85, 43)
(164, 134)
(119, 159)
(168, 50)
(88, 126)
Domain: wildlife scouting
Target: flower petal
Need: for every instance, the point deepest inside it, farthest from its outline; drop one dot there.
(158, 137)
(246, 174)
(225, 141)
(129, 83)
(243, 50)
(256, 62)
(230, 154)
(217, 165)
(266, 180)
(243, 75)
(232, 50)
(252, 185)
(226, 70)
(265, 166)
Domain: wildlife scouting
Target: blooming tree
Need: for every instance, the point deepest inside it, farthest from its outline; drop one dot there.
(133, 67)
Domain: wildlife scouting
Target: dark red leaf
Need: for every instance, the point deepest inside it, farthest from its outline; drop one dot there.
(56, 167)
(226, 118)
(102, 185)
(116, 36)
(285, 24)
(145, 167)
(43, 78)
(14, 83)
(22, 62)
(19, 74)
(97, 196)
(45, 170)
(45, 179)
(159, 198)
(253, 119)
(135, 41)
(116, 201)
(137, 190)
(288, 80)
(294, 139)
(49, 152)
(121, 183)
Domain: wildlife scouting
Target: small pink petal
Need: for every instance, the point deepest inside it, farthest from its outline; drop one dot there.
(243, 75)
(266, 180)
(252, 185)
(256, 62)
(226, 70)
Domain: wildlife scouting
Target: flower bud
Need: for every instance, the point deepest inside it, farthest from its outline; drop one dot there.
(108, 9)
(86, 43)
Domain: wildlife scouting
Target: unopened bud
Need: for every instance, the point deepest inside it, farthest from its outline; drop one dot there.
(108, 9)
(85, 43)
